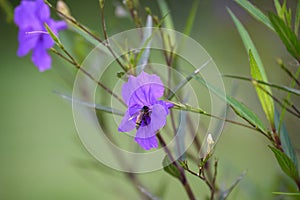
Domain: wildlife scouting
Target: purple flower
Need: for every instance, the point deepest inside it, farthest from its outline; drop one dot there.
(30, 16)
(145, 112)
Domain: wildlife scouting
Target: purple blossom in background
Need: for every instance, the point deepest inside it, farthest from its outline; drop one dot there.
(30, 17)
(145, 112)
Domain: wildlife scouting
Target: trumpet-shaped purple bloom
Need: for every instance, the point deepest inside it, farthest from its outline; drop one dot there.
(30, 17)
(145, 112)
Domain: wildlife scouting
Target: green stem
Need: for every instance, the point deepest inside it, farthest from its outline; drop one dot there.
(288, 96)
(186, 107)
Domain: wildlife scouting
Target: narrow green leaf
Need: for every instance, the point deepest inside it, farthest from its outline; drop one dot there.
(255, 12)
(287, 193)
(240, 109)
(163, 6)
(246, 113)
(187, 79)
(278, 8)
(190, 21)
(279, 87)
(281, 129)
(8, 10)
(265, 100)
(258, 69)
(287, 36)
(53, 36)
(284, 14)
(91, 105)
(288, 17)
(169, 38)
(249, 45)
(297, 19)
(145, 49)
(285, 139)
(286, 164)
(170, 168)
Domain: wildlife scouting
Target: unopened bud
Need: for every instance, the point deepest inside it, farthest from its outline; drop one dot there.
(62, 7)
(148, 11)
(210, 144)
(101, 3)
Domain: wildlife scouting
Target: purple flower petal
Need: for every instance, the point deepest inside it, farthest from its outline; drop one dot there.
(41, 58)
(141, 94)
(135, 109)
(24, 15)
(158, 117)
(43, 11)
(126, 124)
(27, 42)
(147, 86)
(30, 16)
(148, 142)
(60, 25)
(167, 105)
(46, 41)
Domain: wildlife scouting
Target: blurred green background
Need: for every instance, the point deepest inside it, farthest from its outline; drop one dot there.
(41, 156)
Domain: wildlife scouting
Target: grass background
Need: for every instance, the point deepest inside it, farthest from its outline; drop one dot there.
(41, 156)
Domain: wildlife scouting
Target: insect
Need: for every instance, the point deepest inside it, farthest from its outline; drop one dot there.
(142, 116)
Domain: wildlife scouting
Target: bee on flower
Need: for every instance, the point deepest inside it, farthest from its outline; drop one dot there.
(145, 111)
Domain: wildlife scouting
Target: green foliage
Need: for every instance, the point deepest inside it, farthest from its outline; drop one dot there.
(286, 164)
(7, 9)
(265, 100)
(255, 12)
(239, 108)
(282, 12)
(53, 36)
(284, 88)
(287, 193)
(287, 36)
(165, 12)
(257, 69)
(285, 140)
(191, 19)
(91, 105)
(246, 113)
(249, 45)
(168, 21)
(186, 80)
(297, 19)
(144, 54)
(281, 130)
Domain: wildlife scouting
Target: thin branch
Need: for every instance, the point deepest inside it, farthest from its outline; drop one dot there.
(183, 178)
(73, 21)
(72, 61)
(289, 73)
(101, 2)
(86, 30)
(284, 88)
(192, 131)
(278, 101)
(214, 179)
(195, 110)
